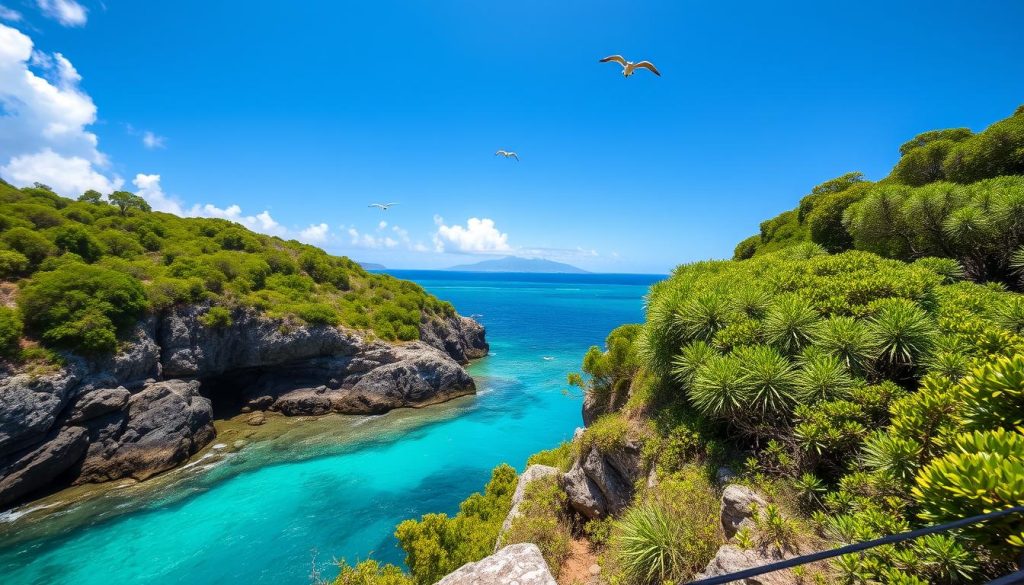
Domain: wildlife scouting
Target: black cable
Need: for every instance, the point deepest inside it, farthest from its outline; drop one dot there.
(857, 547)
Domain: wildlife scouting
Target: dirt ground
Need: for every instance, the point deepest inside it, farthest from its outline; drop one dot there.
(576, 569)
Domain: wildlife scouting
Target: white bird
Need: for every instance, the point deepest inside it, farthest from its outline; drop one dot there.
(382, 206)
(629, 67)
(507, 154)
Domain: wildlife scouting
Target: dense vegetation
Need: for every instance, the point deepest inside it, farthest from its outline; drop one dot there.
(861, 362)
(87, 269)
(953, 194)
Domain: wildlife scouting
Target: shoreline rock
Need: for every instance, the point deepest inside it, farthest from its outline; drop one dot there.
(150, 407)
(519, 564)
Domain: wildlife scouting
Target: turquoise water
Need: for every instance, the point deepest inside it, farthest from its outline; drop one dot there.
(259, 515)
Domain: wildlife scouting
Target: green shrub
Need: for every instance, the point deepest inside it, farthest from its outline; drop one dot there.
(78, 240)
(12, 264)
(318, 314)
(560, 457)
(216, 318)
(436, 545)
(81, 307)
(607, 433)
(370, 572)
(669, 535)
(10, 331)
(31, 244)
(543, 521)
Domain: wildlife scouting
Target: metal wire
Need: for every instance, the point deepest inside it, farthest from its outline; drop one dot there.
(857, 547)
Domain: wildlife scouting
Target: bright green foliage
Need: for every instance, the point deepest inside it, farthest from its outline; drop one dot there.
(790, 322)
(606, 433)
(10, 331)
(983, 472)
(994, 152)
(12, 264)
(610, 371)
(671, 534)
(993, 395)
(436, 545)
(190, 260)
(902, 332)
(544, 520)
(370, 572)
(216, 318)
(560, 457)
(81, 307)
(126, 201)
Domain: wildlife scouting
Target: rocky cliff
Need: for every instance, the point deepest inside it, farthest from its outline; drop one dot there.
(150, 406)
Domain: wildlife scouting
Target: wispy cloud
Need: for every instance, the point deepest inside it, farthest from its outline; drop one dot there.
(9, 14)
(66, 12)
(152, 141)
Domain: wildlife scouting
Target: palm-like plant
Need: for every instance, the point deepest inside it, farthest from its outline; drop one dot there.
(903, 332)
(768, 379)
(701, 316)
(718, 389)
(789, 323)
(849, 340)
(751, 300)
(693, 355)
(822, 377)
(1009, 313)
(896, 456)
(648, 548)
(945, 560)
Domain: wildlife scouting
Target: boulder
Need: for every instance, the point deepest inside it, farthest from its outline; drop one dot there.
(460, 337)
(31, 405)
(739, 503)
(256, 419)
(162, 426)
(583, 494)
(33, 469)
(517, 564)
(98, 403)
(731, 558)
(532, 473)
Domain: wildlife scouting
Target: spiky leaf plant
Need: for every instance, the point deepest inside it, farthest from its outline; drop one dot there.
(789, 323)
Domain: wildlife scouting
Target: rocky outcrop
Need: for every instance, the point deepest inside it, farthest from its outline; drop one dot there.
(740, 504)
(601, 483)
(460, 337)
(516, 564)
(532, 473)
(150, 407)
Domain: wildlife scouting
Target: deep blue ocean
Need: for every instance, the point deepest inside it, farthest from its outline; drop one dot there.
(337, 487)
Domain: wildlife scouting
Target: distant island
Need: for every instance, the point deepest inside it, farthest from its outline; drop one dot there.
(372, 266)
(514, 264)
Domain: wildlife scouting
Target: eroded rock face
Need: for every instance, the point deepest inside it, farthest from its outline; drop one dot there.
(532, 473)
(162, 426)
(517, 564)
(148, 408)
(739, 503)
(601, 483)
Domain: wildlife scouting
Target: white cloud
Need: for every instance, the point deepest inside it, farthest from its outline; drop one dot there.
(152, 141)
(67, 175)
(66, 12)
(148, 187)
(261, 222)
(43, 118)
(479, 236)
(9, 14)
(314, 234)
(382, 225)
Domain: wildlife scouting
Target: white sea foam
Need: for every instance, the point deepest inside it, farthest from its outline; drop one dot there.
(548, 358)
(220, 446)
(12, 515)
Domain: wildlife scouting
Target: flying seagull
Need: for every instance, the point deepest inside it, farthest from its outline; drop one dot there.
(629, 67)
(382, 206)
(507, 154)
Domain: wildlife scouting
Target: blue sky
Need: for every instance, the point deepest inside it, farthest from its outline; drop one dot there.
(301, 114)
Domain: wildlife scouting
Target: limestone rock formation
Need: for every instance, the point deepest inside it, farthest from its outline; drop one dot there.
(150, 407)
(602, 483)
(532, 473)
(739, 505)
(517, 564)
